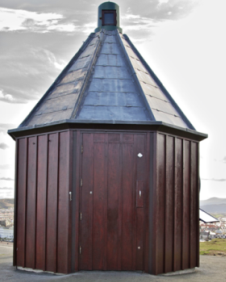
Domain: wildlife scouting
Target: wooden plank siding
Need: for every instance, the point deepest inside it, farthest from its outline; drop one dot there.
(156, 232)
(43, 202)
(175, 205)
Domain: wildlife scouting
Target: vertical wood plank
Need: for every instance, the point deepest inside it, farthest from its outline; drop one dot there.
(63, 203)
(31, 202)
(70, 246)
(86, 205)
(141, 177)
(77, 155)
(52, 197)
(186, 205)
(128, 232)
(152, 264)
(194, 206)
(197, 206)
(21, 205)
(169, 208)
(178, 205)
(160, 204)
(15, 203)
(148, 148)
(113, 205)
(41, 202)
(99, 201)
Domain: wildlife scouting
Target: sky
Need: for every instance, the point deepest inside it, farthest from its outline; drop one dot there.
(183, 41)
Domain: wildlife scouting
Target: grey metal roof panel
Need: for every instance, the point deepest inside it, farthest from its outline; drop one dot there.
(110, 60)
(74, 76)
(112, 85)
(145, 77)
(58, 104)
(111, 39)
(113, 113)
(65, 89)
(110, 48)
(165, 106)
(112, 99)
(50, 117)
(168, 118)
(153, 91)
(82, 63)
(111, 72)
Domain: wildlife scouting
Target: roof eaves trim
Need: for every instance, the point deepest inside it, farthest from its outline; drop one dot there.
(160, 125)
(159, 83)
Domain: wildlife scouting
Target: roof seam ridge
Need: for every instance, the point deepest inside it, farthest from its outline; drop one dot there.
(165, 112)
(152, 96)
(46, 113)
(61, 95)
(148, 108)
(118, 106)
(87, 76)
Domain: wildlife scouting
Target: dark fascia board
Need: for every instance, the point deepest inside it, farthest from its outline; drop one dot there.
(159, 83)
(61, 75)
(108, 125)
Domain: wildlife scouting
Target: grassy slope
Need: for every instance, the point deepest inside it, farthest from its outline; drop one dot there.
(213, 247)
(6, 203)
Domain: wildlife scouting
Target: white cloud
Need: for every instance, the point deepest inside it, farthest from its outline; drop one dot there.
(136, 23)
(8, 98)
(21, 20)
(89, 27)
(43, 54)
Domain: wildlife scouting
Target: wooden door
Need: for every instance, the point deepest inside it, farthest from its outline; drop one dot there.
(111, 225)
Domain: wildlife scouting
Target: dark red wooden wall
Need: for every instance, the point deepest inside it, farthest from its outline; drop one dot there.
(47, 231)
(174, 204)
(42, 199)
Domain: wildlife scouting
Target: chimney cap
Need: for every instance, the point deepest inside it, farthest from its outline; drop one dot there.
(108, 17)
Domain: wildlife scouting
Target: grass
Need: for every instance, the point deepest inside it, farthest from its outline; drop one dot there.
(217, 215)
(213, 247)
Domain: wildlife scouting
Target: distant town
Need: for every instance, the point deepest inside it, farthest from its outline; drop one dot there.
(7, 217)
(208, 231)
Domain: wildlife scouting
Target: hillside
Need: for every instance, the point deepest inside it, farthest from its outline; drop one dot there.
(214, 205)
(6, 203)
(213, 201)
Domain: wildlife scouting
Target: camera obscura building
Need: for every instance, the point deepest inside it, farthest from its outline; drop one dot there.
(107, 167)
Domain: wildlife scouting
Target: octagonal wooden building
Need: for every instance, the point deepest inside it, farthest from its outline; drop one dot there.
(107, 167)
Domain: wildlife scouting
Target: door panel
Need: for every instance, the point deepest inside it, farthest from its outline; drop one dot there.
(112, 224)
(99, 210)
(128, 210)
(113, 207)
(86, 205)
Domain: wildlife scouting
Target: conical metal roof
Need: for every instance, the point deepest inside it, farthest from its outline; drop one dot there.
(107, 81)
